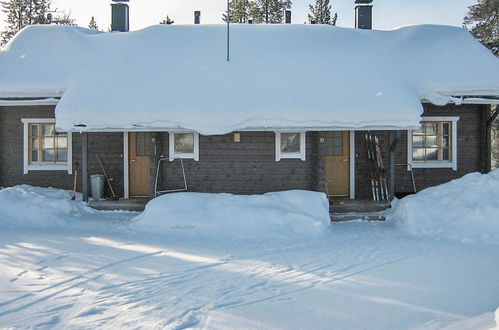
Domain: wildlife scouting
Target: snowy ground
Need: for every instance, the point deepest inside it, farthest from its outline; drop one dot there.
(100, 271)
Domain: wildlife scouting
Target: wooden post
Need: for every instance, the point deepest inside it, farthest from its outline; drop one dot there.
(393, 145)
(84, 166)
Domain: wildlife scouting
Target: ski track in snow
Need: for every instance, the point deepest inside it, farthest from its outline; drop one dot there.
(87, 280)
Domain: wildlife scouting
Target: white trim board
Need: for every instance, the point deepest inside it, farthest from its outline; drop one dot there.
(68, 166)
(177, 155)
(294, 155)
(352, 164)
(126, 168)
(435, 164)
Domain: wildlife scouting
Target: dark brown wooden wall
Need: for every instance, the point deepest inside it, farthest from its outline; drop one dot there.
(246, 167)
(243, 168)
(108, 145)
(470, 156)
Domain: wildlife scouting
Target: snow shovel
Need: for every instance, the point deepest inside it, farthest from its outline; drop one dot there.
(107, 179)
(74, 180)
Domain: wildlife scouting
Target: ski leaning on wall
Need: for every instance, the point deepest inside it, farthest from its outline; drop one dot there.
(379, 185)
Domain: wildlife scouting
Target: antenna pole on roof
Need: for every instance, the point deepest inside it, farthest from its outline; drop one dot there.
(228, 31)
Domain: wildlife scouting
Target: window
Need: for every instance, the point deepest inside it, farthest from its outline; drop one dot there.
(44, 147)
(434, 144)
(184, 145)
(290, 145)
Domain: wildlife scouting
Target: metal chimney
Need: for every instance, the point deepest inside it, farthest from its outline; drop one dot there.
(288, 17)
(364, 14)
(197, 17)
(120, 16)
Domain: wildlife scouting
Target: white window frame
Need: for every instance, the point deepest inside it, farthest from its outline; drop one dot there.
(41, 166)
(435, 164)
(290, 155)
(176, 155)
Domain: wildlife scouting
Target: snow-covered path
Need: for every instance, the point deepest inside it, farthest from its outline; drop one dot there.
(360, 275)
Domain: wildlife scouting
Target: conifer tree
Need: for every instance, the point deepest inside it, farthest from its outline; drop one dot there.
(259, 11)
(321, 13)
(272, 11)
(93, 24)
(21, 13)
(483, 21)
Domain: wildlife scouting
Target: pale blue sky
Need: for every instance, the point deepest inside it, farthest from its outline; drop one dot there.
(388, 14)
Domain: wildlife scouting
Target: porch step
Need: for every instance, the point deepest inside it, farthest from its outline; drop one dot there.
(337, 217)
(133, 204)
(357, 206)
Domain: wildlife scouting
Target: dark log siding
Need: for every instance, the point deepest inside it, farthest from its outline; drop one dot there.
(247, 167)
(471, 137)
(108, 145)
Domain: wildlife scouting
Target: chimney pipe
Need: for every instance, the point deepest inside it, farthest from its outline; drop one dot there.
(120, 18)
(197, 17)
(364, 14)
(288, 17)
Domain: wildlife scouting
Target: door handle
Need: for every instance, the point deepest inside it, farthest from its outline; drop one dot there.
(132, 160)
(345, 159)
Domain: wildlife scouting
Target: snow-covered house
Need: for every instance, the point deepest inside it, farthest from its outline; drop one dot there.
(289, 110)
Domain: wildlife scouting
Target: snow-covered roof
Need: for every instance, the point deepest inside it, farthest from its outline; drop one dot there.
(279, 76)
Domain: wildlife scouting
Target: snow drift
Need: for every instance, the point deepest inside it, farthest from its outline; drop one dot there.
(34, 207)
(283, 76)
(273, 215)
(466, 209)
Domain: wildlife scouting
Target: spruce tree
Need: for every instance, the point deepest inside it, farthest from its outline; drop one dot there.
(321, 13)
(272, 11)
(93, 24)
(167, 21)
(21, 13)
(259, 11)
(239, 11)
(483, 21)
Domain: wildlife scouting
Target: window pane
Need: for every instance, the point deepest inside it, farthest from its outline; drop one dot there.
(431, 141)
(62, 142)
(446, 128)
(48, 143)
(445, 154)
(417, 141)
(49, 130)
(34, 130)
(48, 155)
(419, 131)
(184, 142)
(445, 141)
(62, 155)
(290, 142)
(432, 154)
(34, 155)
(34, 143)
(418, 154)
(431, 128)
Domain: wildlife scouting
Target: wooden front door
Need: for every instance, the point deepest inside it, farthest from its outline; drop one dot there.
(139, 163)
(338, 165)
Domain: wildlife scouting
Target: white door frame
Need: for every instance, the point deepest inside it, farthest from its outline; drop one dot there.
(126, 169)
(352, 164)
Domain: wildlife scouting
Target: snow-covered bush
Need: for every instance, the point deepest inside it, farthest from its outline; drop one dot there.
(273, 215)
(465, 209)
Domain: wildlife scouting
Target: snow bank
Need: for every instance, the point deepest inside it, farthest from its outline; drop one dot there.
(34, 207)
(466, 209)
(273, 215)
(279, 76)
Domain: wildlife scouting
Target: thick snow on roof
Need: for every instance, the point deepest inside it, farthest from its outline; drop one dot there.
(279, 76)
